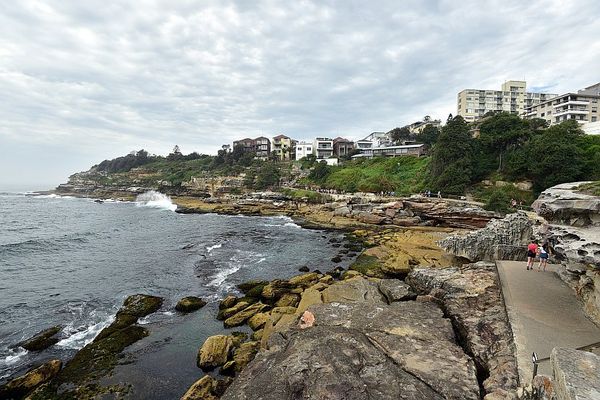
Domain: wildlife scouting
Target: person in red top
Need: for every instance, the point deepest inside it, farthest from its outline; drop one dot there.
(531, 252)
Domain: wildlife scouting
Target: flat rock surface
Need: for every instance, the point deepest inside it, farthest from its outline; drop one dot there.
(362, 350)
(576, 374)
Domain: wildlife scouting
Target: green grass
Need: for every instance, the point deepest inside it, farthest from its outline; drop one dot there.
(592, 188)
(403, 175)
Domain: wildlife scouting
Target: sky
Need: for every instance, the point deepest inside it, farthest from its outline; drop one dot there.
(84, 81)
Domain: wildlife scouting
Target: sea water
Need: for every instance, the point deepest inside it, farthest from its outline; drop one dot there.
(71, 262)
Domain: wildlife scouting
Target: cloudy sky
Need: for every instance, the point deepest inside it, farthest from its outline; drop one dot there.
(82, 81)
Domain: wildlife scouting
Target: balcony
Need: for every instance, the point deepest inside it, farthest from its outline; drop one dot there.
(558, 113)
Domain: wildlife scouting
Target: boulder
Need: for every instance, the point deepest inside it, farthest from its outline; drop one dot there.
(278, 312)
(396, 290)
(275, 289)
(214, 352)
(357, 289)
(241, 317)
(258, 320)
(244, 354)
(457, 214)
(564, 204)
(189, 304)
(309, 297)
(19, 387)
(304, 269)
(228, 312)
(228, 302)
(238, 338)
(288, 300)
(203, 389)
(42, 340)
(501, 239)
(133, 308)
(576, 374)
(304, 280)
(247, 286)
(362, 351)
(369, 218)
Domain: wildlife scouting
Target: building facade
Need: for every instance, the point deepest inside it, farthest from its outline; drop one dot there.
(581, 107)
(393, 151)
(379, 139)
(303, 149)
(417, 127)
(513, 97)
(261, 146)
(282, 147)
(247, 144)
(323, 148)
(342, 147)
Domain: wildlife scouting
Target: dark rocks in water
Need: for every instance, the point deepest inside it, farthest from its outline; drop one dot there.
(134, 307)
(189, 304)
(304, 269)
(214, 352)
(362, 350)
(207, 388)
(42, 340)
(19, 387)
(228, 302)
(336, 259)
(336, 272)
(247, 286)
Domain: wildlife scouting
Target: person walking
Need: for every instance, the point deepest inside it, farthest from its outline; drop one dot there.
(531, 251)
(543, 250)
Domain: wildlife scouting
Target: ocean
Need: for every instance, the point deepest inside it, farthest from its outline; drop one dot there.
(71, 262)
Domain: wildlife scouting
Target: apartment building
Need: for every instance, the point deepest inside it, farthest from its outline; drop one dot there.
(393, 151)
(379, 139)
(303, 149)
(282, 147)
(247, 144)
(342, 147)
(581, 107)
(513, 97)
(323, 148)
(417, 127)
(261, 146)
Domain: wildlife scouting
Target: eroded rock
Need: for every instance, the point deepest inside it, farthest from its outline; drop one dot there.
(189, 304)
(214, 352)
(19, 387)
(42, 340)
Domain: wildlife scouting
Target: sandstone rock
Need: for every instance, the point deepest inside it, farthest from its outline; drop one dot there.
(242, 316)
(203, 389)
(278, 312)
(134, 307)
(563, 204)
(245, 354)
(228, 312)
(228, 302)
(342, 211)
(362, 351)
(288, 300)
(238, 338)
(352, 290)
(501, 239)
(406, 221)
(449, 213)
(319, 286)
(576, 374)
(258, 320)
(247, 286)
(304, 280)
(309, 297)
(19, 387)
(350, 274)
(471, 296)
(42, 340)
(543, 388)
(369, 218)
(396, 290)
(189, 304)
(326, 279)
(257, 336)
(228, 368)
(275, 289)
(214, 352)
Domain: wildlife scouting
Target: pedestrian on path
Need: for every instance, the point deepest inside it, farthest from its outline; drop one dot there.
(531, 251)
(543, 251)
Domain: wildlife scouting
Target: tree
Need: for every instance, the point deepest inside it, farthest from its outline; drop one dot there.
(399, 135)
(320, 172)
(267, 176)
(502, 132)
(452, 159)
(429, 135)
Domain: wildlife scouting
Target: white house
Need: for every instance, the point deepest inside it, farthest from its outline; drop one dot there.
(323, 148)
(303, 149)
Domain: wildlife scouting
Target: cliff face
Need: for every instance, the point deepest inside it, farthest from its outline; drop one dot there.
(564, 204)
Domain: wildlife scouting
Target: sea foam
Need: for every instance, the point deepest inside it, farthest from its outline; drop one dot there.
(155, 199)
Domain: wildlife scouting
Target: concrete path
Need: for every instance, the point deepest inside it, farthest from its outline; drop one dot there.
(544, 313)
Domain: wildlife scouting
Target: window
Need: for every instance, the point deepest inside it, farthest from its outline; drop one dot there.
(594, 119)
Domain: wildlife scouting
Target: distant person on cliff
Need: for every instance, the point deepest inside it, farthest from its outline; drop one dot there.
(531, 251)
(543, 252)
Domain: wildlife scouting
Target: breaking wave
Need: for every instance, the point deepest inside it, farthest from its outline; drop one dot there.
(155, 199)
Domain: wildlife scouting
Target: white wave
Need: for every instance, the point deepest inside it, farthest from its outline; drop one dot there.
(155, 317)
(82, 338)
(216, 246)
(222, 275)
(292, 224)
(14, 357)
(51, 196)
(155, 199)
(261, 260)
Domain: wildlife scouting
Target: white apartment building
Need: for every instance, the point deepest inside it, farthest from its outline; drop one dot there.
(379, 139)
(513, 97)
(581, 107)
(323, 148)
(303, 149)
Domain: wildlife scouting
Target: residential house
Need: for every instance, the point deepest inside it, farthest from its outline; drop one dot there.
(393, 151)
(263, 147)
(323, 148)
(247, 144)
(282, 147)
(379, 139)
(303, 149)
(342, 147)
(417, 127)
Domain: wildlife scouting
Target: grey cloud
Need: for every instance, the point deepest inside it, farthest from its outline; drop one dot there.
(98, 79)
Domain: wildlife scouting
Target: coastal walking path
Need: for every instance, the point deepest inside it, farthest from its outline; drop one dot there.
(544, 313)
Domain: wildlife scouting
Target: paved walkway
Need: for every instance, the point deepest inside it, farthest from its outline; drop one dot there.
(544, 313)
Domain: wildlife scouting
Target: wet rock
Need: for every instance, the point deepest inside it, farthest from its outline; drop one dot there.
(304, 269)
(288, 300)
(396, 290)
(336, 259)
(576, 374)
(241, 317)
(304, 280)
(247, 286)
(258, 320)
(275, 289)
(238, 338)
(309, 297)
(361, 351)
(140, 305)
(228, 368)
(203, 389)
(228, 312)
(189, 304)
(244, 354)
(214, 352)
(228, 302)
(19, 387)
(278, 312)
(42, 340)
(356, 289)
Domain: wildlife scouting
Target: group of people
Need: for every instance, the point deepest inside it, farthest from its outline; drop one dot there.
(533, 251)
